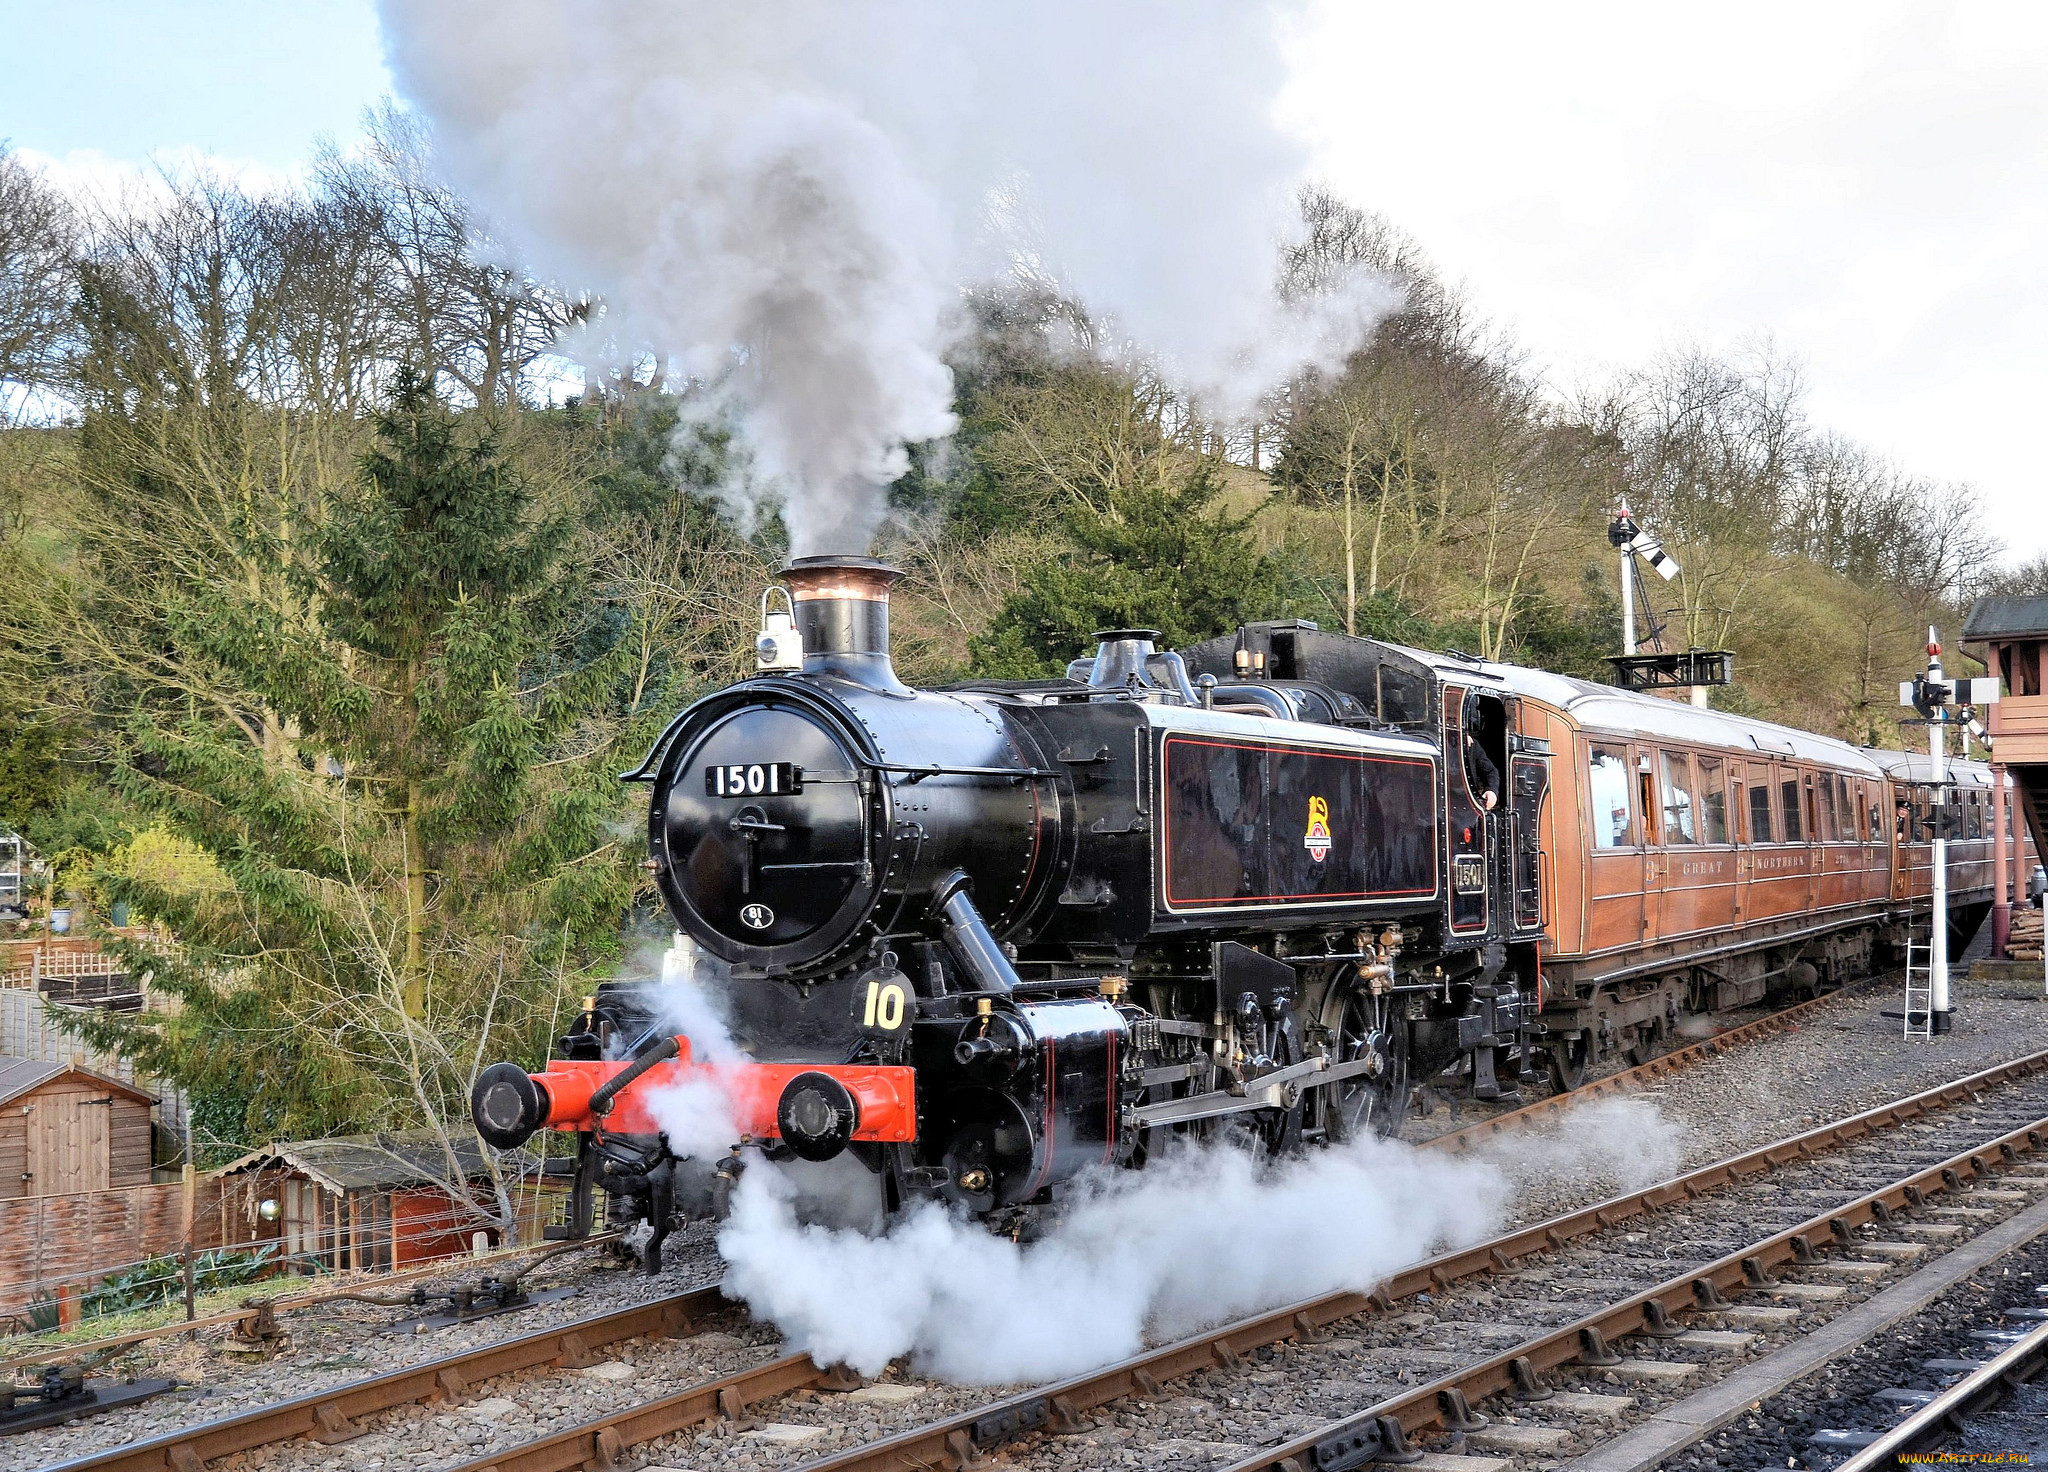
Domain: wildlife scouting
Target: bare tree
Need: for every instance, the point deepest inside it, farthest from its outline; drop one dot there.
(38, 232)
(453, 307)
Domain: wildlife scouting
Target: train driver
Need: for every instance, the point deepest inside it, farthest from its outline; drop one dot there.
(1480, 772)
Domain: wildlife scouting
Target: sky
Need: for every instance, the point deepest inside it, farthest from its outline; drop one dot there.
(1865, 185)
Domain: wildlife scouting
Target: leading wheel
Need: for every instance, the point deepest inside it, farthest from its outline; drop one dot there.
(1375, 1100)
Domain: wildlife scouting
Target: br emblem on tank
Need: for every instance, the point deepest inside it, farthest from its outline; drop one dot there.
(1317, 841)
(757, 917)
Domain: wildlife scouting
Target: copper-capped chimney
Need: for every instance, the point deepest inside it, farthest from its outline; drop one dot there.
(842, 611)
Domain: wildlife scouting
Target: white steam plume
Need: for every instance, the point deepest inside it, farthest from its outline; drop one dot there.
(1198, 1237)
(1192, 1239)
(1623, 1143)
(782, 199)
(694, 1114)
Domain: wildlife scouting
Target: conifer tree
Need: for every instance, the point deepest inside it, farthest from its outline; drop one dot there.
(423, 859)
(1159, 554)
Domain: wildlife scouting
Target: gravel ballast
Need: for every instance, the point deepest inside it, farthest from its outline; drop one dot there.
(1844, 1059)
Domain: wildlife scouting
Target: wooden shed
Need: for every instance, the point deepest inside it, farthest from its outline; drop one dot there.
(64, 1128)
(379, 1202)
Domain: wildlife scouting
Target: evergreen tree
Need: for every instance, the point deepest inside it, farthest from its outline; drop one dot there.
(1158, 555)
(426, 851)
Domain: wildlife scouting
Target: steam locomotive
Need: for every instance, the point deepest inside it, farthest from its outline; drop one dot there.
(983, 939)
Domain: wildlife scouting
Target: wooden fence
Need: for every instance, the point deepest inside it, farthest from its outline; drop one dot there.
(73, 969)
(58, 1246)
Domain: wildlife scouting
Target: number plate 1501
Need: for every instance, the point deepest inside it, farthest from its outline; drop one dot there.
(758, 779)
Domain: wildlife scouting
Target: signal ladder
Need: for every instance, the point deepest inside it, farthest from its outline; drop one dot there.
(1919, 998)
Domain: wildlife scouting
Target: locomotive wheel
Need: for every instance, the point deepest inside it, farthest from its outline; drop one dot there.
(1568, 1059)
(1365, 1105)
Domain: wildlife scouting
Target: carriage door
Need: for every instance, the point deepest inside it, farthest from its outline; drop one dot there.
(1468, 824)
(1528, 787)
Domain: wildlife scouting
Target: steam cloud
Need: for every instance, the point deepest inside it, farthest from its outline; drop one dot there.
(1620, 1142)
(1204, 1234)
(782, 200)
(1199, 1237)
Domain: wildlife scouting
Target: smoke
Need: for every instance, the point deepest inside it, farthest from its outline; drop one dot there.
(782, 201)
(1203, 1235)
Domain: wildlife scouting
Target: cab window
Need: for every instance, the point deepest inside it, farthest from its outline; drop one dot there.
(1713, 797)
(1613, 819)
(1676, 771)
(1403, 700)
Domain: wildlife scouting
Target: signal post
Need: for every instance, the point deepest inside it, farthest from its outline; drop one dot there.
(1933, 695)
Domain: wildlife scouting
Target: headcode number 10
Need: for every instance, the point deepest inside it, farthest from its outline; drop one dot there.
(885, 1006)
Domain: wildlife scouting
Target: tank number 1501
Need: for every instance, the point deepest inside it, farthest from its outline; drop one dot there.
(757, 779)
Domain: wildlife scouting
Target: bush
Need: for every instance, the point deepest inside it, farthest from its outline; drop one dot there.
(162, 1279)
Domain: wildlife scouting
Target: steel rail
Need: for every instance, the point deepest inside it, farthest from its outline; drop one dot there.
(1461, 1139)
(255, 1306)
(1664, 1064)
(328, 1416)
(957, 1440)
(1384, 1426)
(603, 1442)
(1941, 1417)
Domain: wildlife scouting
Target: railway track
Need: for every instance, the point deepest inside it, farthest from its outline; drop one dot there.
(335, 1415)
(258, 1312)
(1569, 1243)
(1935, 1423)
(332, 1415)
(1664, 1065)
(1840, 1237)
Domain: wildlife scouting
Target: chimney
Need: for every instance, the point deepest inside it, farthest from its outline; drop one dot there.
(842, 611)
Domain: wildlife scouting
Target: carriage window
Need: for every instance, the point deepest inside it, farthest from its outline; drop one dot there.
(1826, 827)
(1788, 808)
(1678, 803)
(1846, 805)
(1713, 802)
(1877, 822)
(1760, 812)
(1612, 819)
(1976, 817)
